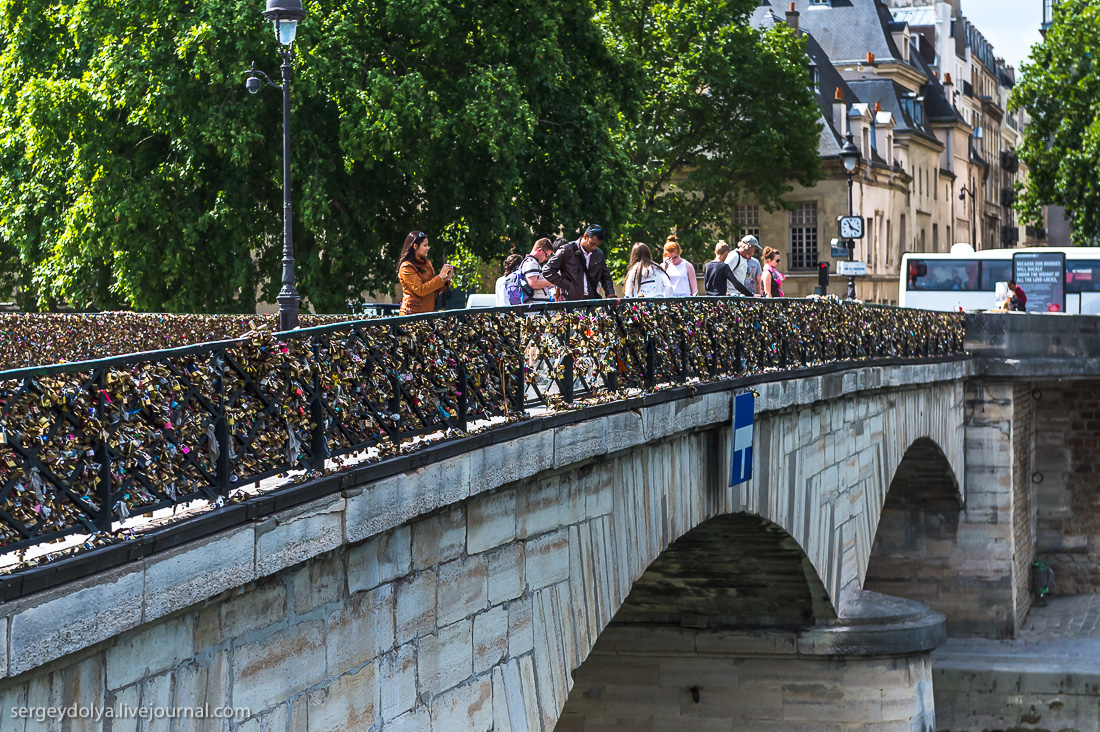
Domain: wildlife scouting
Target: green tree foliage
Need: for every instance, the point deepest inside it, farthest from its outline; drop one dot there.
(1059, 88)
(726, 115)
(137, 170)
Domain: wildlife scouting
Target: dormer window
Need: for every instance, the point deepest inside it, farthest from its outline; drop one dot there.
(914, 107)
(820, 2)
(815, 78)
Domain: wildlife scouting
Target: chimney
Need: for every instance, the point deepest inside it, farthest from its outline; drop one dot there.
(878, 107)
(792, 20)
(947, 79)
(840, 112)
(870, 59)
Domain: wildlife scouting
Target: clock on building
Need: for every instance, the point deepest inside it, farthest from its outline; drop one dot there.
(851, 227)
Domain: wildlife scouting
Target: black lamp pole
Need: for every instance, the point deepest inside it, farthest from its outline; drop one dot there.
(285, 15)
(849, 156)
(973, 227)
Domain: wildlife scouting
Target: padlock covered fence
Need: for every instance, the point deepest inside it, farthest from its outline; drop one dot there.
(86, 445)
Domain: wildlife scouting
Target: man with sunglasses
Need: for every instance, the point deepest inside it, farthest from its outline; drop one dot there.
(579, 267)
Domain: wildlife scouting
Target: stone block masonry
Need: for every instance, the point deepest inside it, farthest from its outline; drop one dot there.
(442, 595)
(1066, 481)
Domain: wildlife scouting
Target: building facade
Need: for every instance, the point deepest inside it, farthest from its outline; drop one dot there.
(925, 101)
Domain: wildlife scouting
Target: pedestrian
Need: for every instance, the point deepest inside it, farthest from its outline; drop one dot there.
(744, 265)
(1017, 300)
(773, 278)
(679, 270)
(530, 272)
(579, 267)
(419, 282)
(511, 263)
(717, 274)
(643, 277)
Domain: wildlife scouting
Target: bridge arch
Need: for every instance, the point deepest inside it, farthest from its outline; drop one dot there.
(923, 547)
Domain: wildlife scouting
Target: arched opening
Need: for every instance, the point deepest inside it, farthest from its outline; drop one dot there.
(710, 633)
(733, 571)
(916, 553)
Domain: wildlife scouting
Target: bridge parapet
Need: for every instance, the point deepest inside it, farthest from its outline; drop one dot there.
(1034, 345)
(87, 446)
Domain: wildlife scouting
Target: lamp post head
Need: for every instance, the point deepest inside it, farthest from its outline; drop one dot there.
(285, 15)
(849, 154)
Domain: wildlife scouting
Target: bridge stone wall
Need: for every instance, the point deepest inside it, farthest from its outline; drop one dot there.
(1066, 481)
(470, 589)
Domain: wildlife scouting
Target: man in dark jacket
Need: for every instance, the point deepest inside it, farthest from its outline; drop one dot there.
(579, 267)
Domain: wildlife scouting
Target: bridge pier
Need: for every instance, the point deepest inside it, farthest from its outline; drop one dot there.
(869, 671)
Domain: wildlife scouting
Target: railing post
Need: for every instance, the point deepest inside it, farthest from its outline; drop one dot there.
(102, 456)
(739, 355)
(318, 445)
(714, 357)
(565, 384)
(221, 428)
(460, 392)
(394, 406)
(684, 365)
(650, 362)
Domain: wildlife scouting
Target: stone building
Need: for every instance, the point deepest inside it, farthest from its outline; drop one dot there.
(924, 99)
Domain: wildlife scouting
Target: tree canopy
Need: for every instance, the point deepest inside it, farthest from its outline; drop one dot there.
(1058, 88)
(139, 172)
(726, 115)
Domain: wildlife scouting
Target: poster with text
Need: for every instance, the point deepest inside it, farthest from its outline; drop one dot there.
(1042, 277)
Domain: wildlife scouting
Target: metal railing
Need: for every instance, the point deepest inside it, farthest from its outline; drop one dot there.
(85, 445)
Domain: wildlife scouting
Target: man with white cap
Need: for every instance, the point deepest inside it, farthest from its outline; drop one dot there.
(745, 267)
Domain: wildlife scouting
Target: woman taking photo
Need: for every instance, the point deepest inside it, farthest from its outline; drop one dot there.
(679, 270)
(419, 282)
(643, 277)
(773, 278)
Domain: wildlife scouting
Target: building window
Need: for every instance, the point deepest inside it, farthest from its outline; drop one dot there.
(804, 236)
(869, 236)
(746, 220)
(935, 237)
(947, 242)
(903, 243)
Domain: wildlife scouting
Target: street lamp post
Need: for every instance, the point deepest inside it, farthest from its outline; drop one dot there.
(849, 155)
(285, 16)
(973, 227)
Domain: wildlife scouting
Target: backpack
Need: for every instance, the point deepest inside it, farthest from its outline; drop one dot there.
(516, 288)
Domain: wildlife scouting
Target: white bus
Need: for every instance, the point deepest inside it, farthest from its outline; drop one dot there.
(968, 280)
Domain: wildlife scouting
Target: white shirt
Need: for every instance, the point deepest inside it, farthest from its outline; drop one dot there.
(530, 266)
(502, 296)
(654, 282)
(678, 273)
(740, 268)
(587, 263)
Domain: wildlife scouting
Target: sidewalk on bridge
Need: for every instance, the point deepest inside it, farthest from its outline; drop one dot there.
(1048, 677)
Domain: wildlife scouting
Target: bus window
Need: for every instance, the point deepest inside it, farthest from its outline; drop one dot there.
(943, 274)
(994, 271)
(1082, 276)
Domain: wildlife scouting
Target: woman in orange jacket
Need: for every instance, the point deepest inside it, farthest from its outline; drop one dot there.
(419, 282)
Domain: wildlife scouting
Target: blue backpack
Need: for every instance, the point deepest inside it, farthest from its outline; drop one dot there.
(516, 288)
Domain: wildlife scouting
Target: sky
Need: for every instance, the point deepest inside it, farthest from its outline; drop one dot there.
(1012, 26)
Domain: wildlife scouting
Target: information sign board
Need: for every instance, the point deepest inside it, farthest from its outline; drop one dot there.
(1042, 277)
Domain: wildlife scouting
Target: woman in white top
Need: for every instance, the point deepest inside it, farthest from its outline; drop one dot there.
(679, 270)
(643, 277)
(511, 262)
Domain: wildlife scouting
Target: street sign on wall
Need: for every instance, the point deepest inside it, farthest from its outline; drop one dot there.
(851, 269)
(1042, 277)
(744, 410)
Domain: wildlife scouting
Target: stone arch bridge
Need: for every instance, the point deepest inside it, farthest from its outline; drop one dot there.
(583, 570)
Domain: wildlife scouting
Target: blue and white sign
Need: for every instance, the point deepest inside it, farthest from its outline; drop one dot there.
(744, 409)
